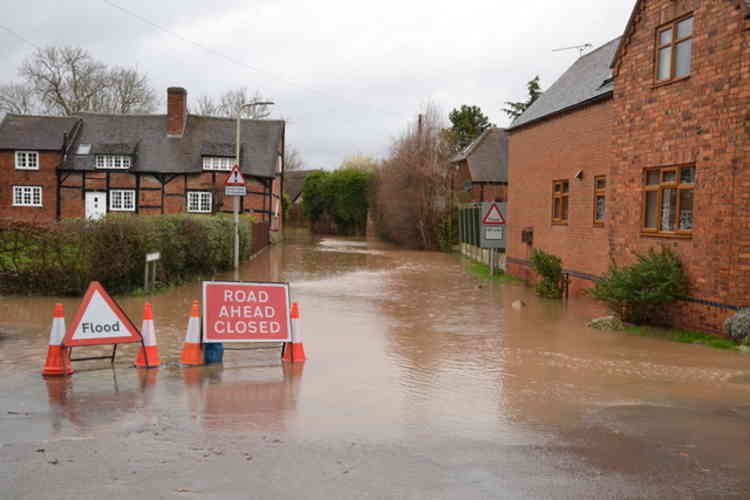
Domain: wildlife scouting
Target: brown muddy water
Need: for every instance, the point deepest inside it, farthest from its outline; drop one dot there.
(422, 382)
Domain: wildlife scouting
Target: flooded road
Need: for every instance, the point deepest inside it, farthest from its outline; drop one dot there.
(422, 382)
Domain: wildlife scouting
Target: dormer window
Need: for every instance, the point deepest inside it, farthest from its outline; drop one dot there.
(83, 149)
(27, 160)
(113, 161)
(674, 50)
(218, 163)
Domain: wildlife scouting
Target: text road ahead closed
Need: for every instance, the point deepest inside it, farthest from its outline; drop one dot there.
(245, 312)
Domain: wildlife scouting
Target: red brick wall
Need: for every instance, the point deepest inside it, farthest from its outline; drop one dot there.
(702, 120)
(551, 150)
(45, 177)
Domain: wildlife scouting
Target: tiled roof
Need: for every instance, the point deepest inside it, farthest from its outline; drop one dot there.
(45, 133)
(588, 78)
(293, 181)
(146, 136)
(487, 156)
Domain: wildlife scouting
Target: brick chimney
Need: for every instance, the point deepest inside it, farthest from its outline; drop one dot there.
(176, 111)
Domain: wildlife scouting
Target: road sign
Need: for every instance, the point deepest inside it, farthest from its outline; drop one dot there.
(153, 256)
(235, 177)
(493, 215)
(100, 321)
(232, 190)
(235, 311)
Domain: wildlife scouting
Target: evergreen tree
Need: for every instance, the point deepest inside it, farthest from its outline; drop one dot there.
(468, 123)
(516, 109)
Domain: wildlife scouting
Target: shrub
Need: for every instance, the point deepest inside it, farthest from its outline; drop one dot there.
(63, 258)
(549, 267)
(448, 231)
(738, 326)
(637, 293)
(337, 202)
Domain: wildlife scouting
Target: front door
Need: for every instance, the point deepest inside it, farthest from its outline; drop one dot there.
(96, 205)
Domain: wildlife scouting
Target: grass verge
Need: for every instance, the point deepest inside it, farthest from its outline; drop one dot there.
(682, 336)
(482, 271)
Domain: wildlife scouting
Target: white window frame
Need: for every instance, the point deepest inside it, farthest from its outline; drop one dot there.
(28, 196)
(23, 160)
(218, 163)
(196, 200)
(113, 162)
(121, 200)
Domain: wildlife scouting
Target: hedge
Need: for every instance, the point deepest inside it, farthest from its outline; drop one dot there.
(62, 258)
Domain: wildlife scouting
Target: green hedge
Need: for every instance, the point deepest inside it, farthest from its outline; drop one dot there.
(63, 258)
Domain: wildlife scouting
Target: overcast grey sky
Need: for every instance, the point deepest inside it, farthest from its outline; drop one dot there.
(347, 76)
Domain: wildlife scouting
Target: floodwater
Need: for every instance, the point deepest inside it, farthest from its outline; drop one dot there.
(422, 382)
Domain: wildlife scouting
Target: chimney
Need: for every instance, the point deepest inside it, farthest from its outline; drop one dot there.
(176, 111)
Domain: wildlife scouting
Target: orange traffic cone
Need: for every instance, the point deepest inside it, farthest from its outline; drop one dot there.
(296, 351)
(192, 351)
(58, 356)
(148, 353)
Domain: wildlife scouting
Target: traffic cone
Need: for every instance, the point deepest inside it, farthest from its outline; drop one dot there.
(295, 352)
(58, 356)
(192, 352)
(148, 353)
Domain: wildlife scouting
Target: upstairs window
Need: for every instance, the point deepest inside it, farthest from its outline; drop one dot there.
(220, 163)
(122, 200)
(600, 199)
(668, 200)
(27, 196)
(674, 50)
(560, 194)
(199, 202)
(113, 161)
(27, 160)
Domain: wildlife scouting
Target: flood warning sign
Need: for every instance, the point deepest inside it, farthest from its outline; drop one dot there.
(100, 321)
(245, 312)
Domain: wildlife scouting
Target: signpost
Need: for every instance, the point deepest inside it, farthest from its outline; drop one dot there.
(236, 311)
(151, 257)
(492, 229)
(235, 186)
(100, 321)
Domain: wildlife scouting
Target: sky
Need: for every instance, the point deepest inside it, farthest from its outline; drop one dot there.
(347, 76)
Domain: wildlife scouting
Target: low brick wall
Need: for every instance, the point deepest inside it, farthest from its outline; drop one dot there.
(260, 236)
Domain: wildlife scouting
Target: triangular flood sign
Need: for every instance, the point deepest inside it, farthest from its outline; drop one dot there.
(100, 321)
(493, 215)
(235, 177)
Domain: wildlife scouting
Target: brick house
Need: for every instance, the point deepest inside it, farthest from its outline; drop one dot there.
(480, 171)
(560, 154)
(92, 164)
(680, 173)
(652, 150)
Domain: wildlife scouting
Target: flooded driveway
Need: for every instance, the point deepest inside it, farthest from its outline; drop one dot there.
(422, 382)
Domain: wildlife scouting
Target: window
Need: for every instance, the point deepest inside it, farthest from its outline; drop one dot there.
(122, 200)
(674, 50)
(27, 160)
(199, 202)
(113, 161)
(600, 199)
(27, 196)
(668, 200)
(560, 202)
(218, 163)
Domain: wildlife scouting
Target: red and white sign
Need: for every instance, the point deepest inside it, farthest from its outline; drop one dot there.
(235, 311)
(493, 215)
(100, 321)
(235, 177)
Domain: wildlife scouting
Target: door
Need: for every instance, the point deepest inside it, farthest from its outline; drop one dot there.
(96, 205)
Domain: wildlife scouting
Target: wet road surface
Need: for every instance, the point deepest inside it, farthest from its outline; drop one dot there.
(422, 382)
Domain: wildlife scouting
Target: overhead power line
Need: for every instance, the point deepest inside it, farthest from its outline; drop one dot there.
(20, 37)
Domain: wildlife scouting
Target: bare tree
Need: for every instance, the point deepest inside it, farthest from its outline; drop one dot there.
(68, 80)
(206, 106)
(292, 160)
(18, 98)
(231, 102)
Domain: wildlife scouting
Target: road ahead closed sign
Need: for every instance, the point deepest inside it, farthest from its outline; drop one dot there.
(245, 312)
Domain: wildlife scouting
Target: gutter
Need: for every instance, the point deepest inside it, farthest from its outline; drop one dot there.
(600, 98)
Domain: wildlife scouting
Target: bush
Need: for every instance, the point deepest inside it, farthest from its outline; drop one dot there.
(637, 293)
(63, 258)
(738, 326)
(549, 267)
(337, 202)
(448, 231)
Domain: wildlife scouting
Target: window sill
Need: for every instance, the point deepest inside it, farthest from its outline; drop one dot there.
(27, 206)
(598, 224)
(678, 236)
(556, 223)
(656, 85)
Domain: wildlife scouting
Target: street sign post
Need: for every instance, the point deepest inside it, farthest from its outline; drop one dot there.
(234, 186)
(492, 234)
(235, 311)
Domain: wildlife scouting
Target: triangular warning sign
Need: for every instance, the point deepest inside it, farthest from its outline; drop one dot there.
(100, 321)
(493, 215)
(235, 177)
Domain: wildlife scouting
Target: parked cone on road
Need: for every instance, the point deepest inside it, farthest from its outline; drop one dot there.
(58, 356)
(148, 353)
(295, 352)
(192, 351)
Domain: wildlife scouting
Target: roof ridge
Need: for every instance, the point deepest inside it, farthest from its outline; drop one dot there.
(56, 117)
